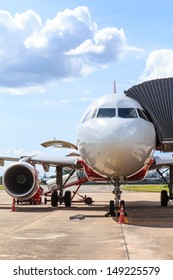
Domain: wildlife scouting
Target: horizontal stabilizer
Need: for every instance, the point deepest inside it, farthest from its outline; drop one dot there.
(59, 144)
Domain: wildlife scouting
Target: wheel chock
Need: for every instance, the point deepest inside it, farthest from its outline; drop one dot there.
(77, 217)
(108, 215)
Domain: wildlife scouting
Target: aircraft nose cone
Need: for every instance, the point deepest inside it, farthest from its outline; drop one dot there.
(119, 148)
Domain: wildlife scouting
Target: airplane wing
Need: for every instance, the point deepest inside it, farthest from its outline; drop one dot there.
(71, 160)
(4, 158)
(163, 160)
(49, 160)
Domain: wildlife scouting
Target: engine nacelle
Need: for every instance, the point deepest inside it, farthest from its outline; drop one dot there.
(20, 180)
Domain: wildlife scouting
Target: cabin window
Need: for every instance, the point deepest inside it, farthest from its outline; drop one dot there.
(106, 113)
(127, 113)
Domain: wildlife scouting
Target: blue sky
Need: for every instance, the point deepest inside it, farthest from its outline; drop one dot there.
(57, 57)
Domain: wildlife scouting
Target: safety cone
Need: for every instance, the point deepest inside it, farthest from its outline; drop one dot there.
(13, 208)
(122, 216)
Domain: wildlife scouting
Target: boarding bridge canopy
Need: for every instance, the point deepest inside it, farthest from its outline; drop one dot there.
(156, 97)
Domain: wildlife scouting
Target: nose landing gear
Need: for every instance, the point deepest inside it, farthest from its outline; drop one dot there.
(115, 206)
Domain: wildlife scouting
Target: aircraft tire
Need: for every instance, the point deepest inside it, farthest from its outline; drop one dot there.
(54, 199)
(88, 200)
(67, 199)
(164, 198)
(111, 208)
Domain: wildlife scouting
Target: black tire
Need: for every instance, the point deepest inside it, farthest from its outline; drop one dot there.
(88, 200)
(45, 200)
(111, 208)
(164, 198)
(54, 199)
(67, 199)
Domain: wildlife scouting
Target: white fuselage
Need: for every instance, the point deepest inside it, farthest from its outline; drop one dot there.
(113, 139)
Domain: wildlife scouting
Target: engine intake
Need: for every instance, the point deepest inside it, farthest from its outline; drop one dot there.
(20, 180)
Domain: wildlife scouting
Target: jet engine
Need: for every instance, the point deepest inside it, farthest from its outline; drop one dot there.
(20, 180)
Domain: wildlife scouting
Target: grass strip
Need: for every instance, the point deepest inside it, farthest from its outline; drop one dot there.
(144, 188)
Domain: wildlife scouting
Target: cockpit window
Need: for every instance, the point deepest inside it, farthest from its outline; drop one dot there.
(106, 113)
(93, 113)
(85, 117)
(90, 115)
(142, 115)
(127, 113)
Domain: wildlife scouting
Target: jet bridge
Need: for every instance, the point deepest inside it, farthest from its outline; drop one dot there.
(156, 97)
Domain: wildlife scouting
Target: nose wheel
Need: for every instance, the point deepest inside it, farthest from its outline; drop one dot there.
(112, 208)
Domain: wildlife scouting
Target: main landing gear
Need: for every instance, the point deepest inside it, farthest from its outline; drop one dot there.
(115, 205)
(58, 196)
(164, 196)
(68, 198)
(55, 199)
(55, 196)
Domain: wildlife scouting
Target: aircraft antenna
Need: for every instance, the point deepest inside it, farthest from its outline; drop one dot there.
(115, 87)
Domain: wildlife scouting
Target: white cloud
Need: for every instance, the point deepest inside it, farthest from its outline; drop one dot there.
(82, 99)
(33, 53)
(23, 90)
(159, 64)
(106, 45)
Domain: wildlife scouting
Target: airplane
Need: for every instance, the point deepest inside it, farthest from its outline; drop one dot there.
(116, 140)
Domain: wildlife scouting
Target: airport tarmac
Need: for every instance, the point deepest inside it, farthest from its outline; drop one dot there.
(40, 232)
